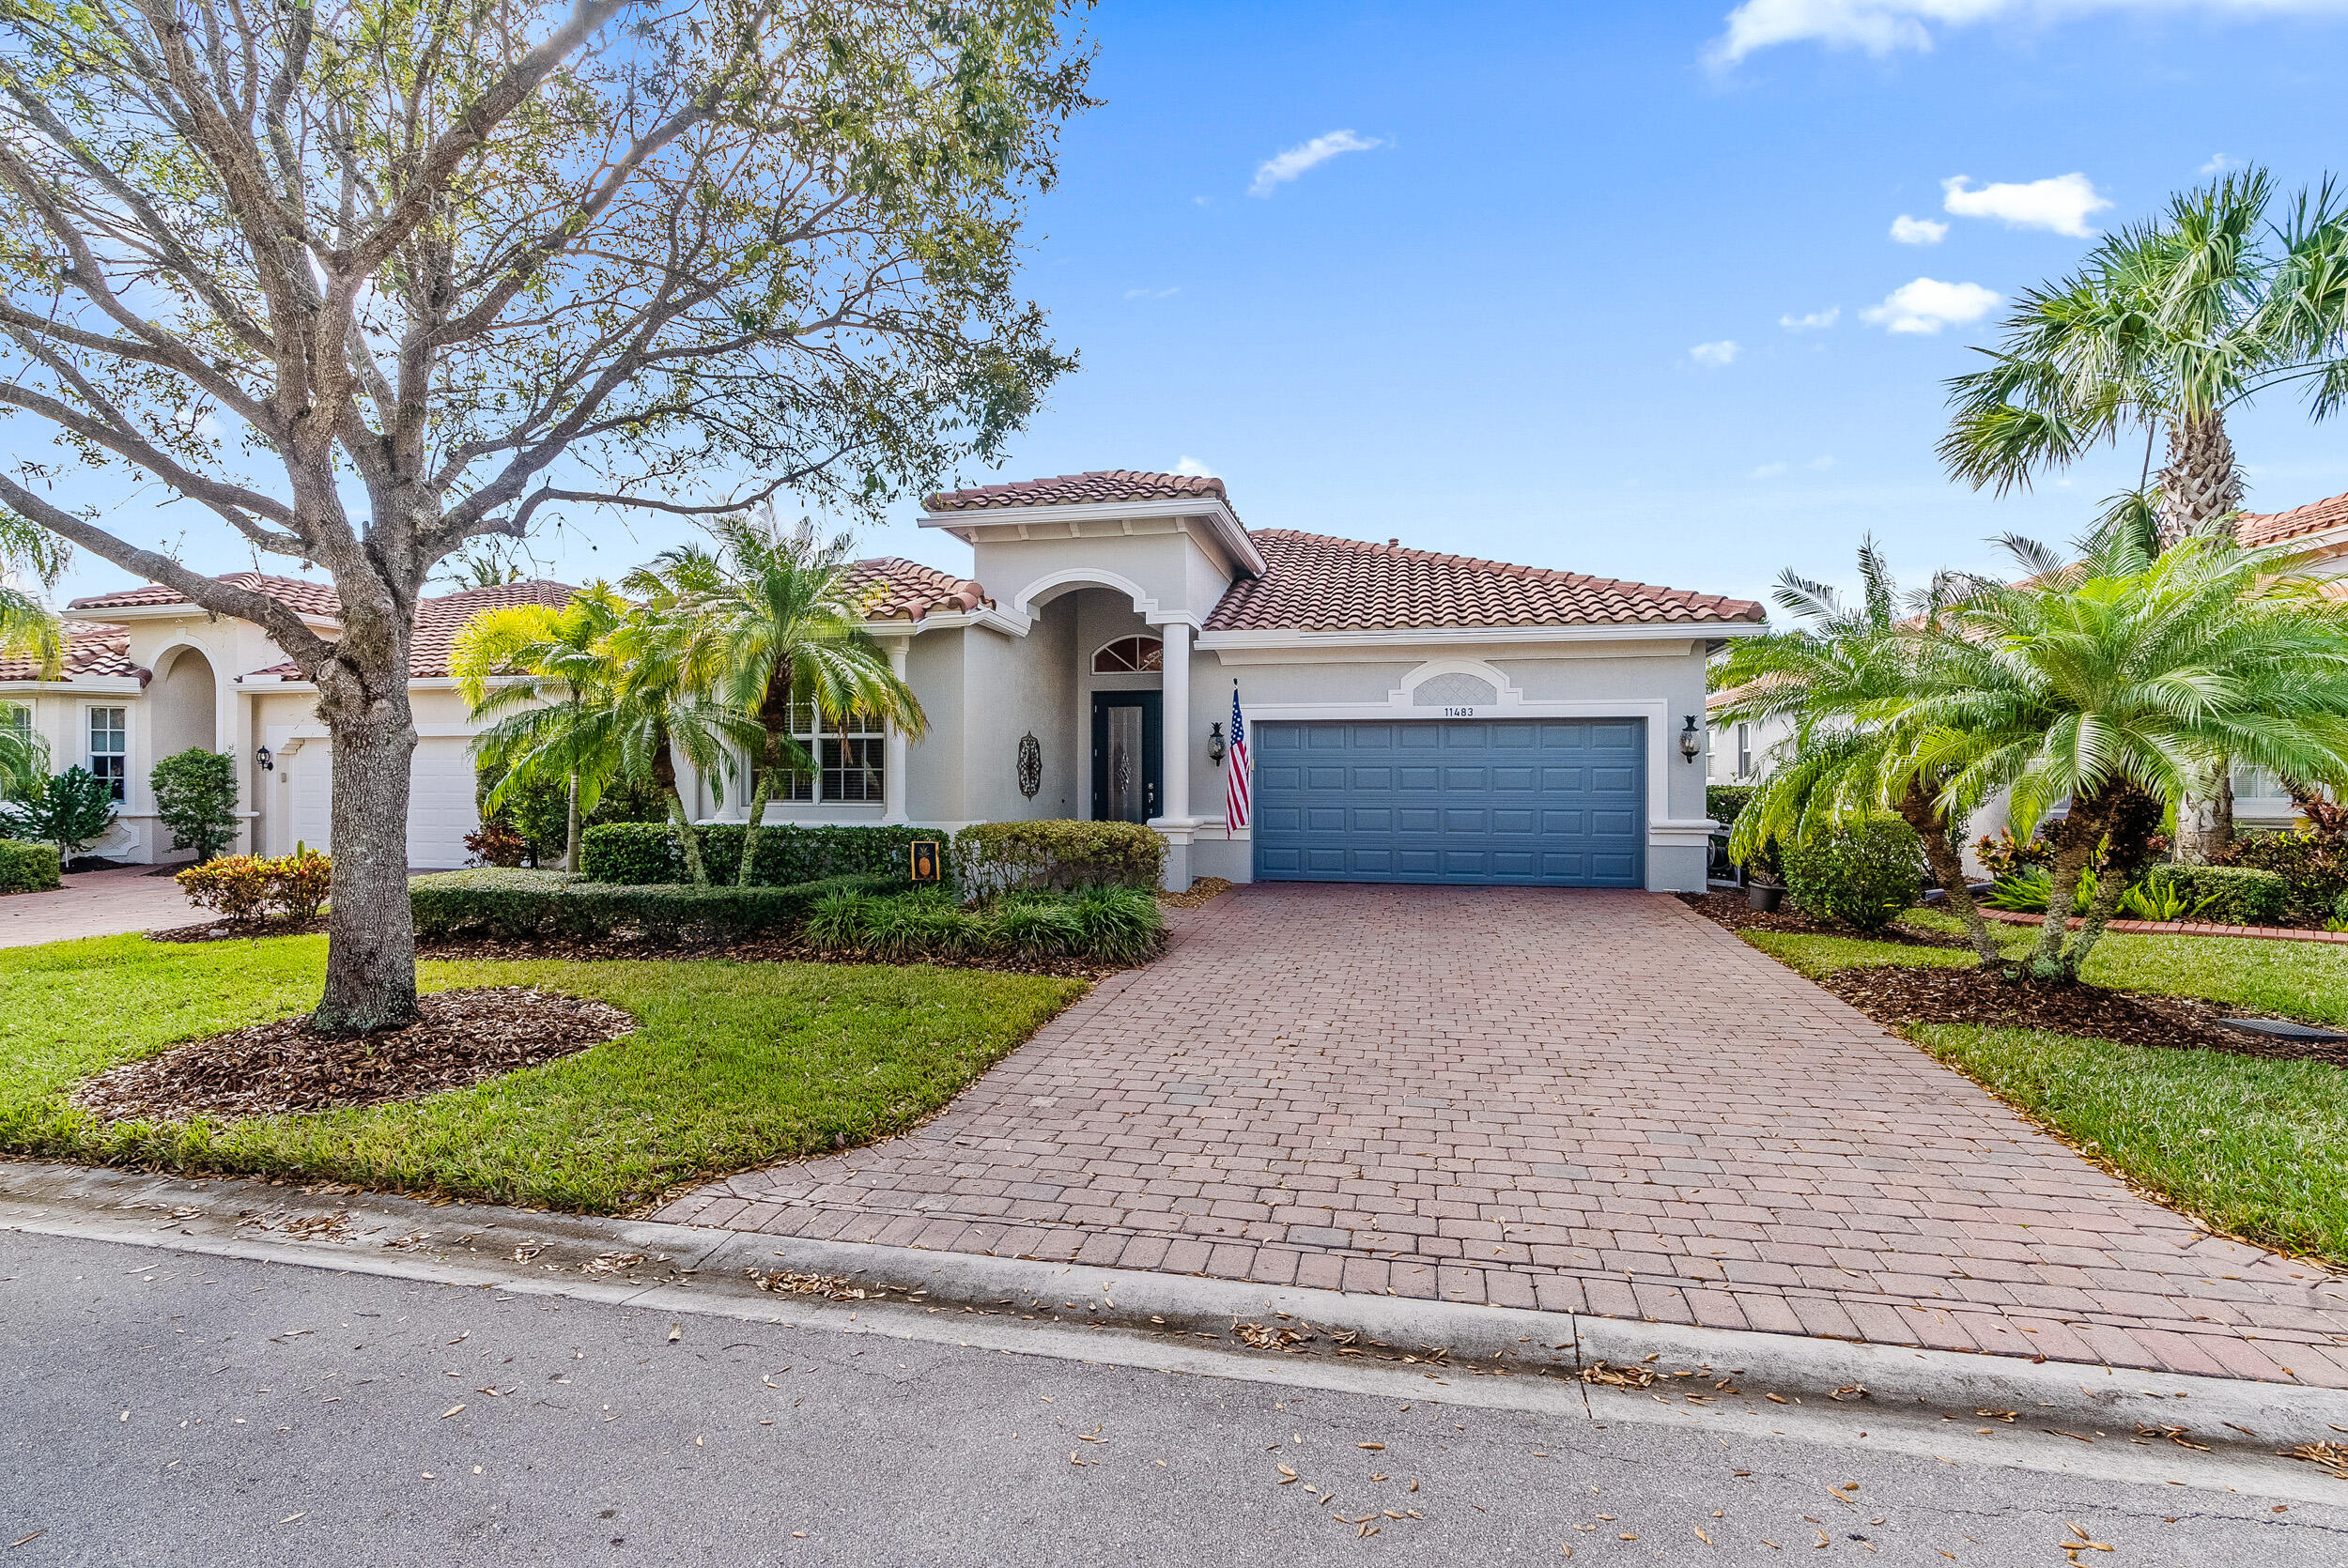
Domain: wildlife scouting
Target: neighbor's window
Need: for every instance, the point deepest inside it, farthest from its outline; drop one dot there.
(848, 756)
(1744, 751)
(1130, 654)
(109, 747)
(16, 717)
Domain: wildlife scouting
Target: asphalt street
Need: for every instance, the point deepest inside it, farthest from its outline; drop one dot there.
(167, 1408)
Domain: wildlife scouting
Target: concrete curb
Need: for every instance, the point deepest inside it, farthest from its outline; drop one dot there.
(1444, 1344)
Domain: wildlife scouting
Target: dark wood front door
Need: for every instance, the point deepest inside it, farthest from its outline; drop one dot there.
(1128, 755)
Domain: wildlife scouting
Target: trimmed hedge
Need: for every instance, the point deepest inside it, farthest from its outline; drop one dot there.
(1102, 925)
(1051, 852)
(29, 868)
(518, 905)
(642, 854)
(2234, 895)
(1726, 803)
(2314, 870)
(1862, 874)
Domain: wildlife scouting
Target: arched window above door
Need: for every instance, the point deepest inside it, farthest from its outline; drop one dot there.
(1128, 655)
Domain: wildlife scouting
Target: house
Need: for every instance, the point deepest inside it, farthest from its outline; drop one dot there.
(1413, 715)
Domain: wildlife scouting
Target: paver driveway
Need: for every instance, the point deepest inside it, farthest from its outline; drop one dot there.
(1588, 1101)
(95, 904)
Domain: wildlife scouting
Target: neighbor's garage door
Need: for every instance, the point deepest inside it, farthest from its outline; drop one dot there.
(440, 799)
(1529, 801)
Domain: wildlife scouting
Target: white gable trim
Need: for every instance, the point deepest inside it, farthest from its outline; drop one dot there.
(1406, 637)
(1093, 577)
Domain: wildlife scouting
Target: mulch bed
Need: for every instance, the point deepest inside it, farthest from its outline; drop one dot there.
(1731, 910)
(1203, 891)
(463, 1037)
(1895, 994)
(219, 930)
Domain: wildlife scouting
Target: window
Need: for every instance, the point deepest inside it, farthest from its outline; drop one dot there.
(848, 758)
(109, 748)
(1744, 751)
(1129, 655)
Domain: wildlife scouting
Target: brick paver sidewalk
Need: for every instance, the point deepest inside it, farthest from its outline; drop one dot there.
(1587, 1101)
(96, 903)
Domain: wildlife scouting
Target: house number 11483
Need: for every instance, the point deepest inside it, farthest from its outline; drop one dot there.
(1458, 712)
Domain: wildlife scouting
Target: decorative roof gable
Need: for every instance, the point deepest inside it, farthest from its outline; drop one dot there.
(1103, 486)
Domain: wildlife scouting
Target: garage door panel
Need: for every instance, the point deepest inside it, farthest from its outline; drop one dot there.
(1557, 802)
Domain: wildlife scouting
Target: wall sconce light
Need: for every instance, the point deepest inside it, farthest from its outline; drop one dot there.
(261, 755)
(1689, 742)
(1216, 747)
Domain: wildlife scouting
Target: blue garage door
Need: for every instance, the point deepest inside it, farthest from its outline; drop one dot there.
(1559, 802)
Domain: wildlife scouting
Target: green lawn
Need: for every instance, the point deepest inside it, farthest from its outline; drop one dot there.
(734, 1065)
(2254, 1147)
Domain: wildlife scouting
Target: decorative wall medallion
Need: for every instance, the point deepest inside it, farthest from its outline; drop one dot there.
(1030, 764)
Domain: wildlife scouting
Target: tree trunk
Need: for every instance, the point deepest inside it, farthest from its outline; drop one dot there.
(370, 933)
(664, 774)
(1948, 868)
(2205, 817)
(574, 827)
(774, 716)
(759, 793)
(2199, 484)
(2075, 841)
(2108, 891)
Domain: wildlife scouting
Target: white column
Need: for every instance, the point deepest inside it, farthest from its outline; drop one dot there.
(894, 750)
(1176, 716)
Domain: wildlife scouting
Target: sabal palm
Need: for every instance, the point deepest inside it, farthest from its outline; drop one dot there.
(1844, 679)
(2113, 679)
(776, 615)
(2167, 327)
(564, 673)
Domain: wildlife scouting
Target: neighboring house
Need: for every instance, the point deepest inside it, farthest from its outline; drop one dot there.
(1413, 716)
(1741, 752)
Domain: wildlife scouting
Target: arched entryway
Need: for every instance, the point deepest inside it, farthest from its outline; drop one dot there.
(184, 702)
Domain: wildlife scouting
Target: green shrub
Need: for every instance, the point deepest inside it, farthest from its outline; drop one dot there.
(244, 889)
(2314, 868)
(1726, 803)
(1038, 926)
(644, 854)
(2228, 895)
(518, 904)
(1863, 874)
(69, 810)
(1122, 925)
(195, 796)
(29, 868)
(996, 857)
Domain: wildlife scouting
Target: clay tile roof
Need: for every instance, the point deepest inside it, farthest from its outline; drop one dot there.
(1319, 583)
(2273, 528)
(907, 589)
(437, 622)
(1081, 489)
(310, 598)
(90, 649)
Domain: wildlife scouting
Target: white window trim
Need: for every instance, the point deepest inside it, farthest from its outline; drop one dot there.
(90, 754)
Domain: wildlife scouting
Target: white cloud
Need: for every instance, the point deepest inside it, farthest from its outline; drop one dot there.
(1714, 355)
(2218, 164)
(1153, 293)
(1816, 321)
(1926, 305)
(1193, 467)
(1770, 470)
(1918, 231)
(1275, 172)
(2061, 204)
(1884, 27)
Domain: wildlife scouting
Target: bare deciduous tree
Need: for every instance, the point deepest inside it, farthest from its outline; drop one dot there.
(369, 279)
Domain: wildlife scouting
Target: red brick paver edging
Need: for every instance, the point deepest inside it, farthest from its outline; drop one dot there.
(2177, 928)
(1585, 1101)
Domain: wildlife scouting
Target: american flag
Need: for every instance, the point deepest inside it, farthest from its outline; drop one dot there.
(1235, 784)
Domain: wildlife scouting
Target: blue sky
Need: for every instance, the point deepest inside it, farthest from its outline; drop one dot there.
(1479, 331)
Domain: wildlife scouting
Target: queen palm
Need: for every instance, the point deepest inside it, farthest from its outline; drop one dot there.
(2167, 327)
(2113, 679)
(552, 659)
(776, 617)
(1844, 679)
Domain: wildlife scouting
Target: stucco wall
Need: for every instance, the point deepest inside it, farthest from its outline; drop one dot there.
(1012, 686)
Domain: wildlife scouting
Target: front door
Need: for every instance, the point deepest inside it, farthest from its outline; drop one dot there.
(1128, 755)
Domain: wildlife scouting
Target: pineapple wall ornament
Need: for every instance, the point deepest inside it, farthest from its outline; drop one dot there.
(1030, 764)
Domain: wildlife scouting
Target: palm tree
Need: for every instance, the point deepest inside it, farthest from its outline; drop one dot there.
(23, 755)
(2113, 679)
(2167, 326)
(27, 630)
(557, 654)
(1844, 679)
(778, 616)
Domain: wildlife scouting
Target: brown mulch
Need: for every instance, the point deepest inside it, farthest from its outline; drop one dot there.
(751, 949)
(1203, 891)
(463, 1037)
(1895, 994)
(221, 930)
(1731, 910)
